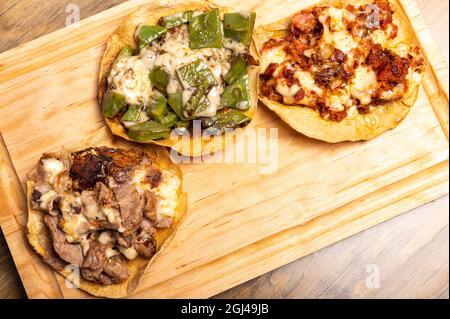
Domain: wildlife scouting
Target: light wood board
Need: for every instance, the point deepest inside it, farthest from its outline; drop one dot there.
(240, 223)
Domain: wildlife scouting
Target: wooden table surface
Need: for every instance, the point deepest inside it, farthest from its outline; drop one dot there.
(408, 254)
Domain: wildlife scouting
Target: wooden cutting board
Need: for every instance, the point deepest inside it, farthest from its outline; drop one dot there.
(240, 223)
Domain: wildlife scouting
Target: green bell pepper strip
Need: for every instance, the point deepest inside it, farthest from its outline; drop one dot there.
(132, 114)
(170, 119)
(205, 30)
(148, 131)
(237, 69)
(112, 103)
(236, 21)
(230, 119)
(175, 101)
(194, 105)
(239, 27)
(175, 20)
(149, 33)
(159, 78)
(236, 95)
(159, 108)
(196, 74)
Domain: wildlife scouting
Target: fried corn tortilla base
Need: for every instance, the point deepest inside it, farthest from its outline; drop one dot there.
(124, 36)
(39, 236)
(362, 127)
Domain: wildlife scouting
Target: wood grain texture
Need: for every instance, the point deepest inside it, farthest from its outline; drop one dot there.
(358, 201)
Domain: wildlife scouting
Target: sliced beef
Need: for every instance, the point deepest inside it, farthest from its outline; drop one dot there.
(105, 196)
(53, 260)
(148, 226)
(101, 269)
(71, 253)
(116, 269)
(93, 205)
(131, 206)
(145, 244)
(150, 201)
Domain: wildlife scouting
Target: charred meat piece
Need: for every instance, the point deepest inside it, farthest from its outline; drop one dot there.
(306, 27)
(71, 253)
(390, 67)
(332, 75)
(304, 22)
(268, 89)
(86, 169)
(120, 163)
(270, 70)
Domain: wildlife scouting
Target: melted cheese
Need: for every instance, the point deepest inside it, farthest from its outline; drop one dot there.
(105, 237)
(237, 47)
(379, 36)
(402, 49)
(112, 215)
(139, 181)
(394, 94)
(334, 103)
(336, 18)
(75, 226)
(167, 192)
(352, 112)
(307, 82)
(110, 252)
(52, 168)
(363, 85)
(46, 200)
(129, 253)
(287, 92)
(129, 77)
(274, 55)
(91, 208)
(343, 41)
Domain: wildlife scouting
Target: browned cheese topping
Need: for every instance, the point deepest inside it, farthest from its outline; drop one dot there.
(338, 61)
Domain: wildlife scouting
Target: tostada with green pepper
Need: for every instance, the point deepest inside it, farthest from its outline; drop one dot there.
(180, 74)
